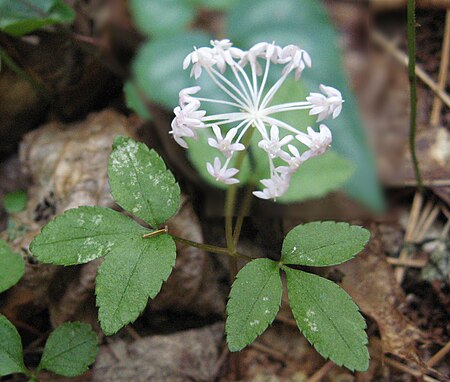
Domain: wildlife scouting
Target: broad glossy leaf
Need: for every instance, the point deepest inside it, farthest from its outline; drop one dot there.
(11, 353)
(83, 234)
(255, 299)
(329, 319)
(134, 101)
(70, 349)
(323, 243)
(21, 17)
(161, 18)
(141, 183)
(12, 267)
(15, 201)
(130, 276)
(305, 23)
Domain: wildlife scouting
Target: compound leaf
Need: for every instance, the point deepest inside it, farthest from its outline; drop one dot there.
(83, 234)
(70, 349)
(254, 302)
(11, 352)
(12, 267)
(323, 243)
(129, 277)
(141, 183)
(328, 318)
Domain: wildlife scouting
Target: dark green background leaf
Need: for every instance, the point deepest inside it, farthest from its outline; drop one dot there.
(328, 318)
(305, 23)
(161, 18)
(70, 349)
(15, 201)
(130, 276)
(11, 353)
(12, 267)
(19, 17)
(323, 243)
(255, 299)
(134, 101)
(141, 183)
(83, 234)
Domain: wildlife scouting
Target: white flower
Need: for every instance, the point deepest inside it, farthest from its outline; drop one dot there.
(200, 58)
(297, 59)
(273, 145)
(247, 91)
(222, 174)
(185, 95)
(294, 160)
(317, 142)
(276, 186)
(225, 145)
(325, 105)
(225, 53)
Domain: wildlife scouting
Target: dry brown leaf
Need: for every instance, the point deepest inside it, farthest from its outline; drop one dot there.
(183, 356)
(370, 281)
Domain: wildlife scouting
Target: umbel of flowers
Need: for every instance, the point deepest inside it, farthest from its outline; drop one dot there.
(249, 93)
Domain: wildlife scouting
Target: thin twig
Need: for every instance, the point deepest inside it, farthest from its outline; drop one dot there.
(411, 21)
(401, 57)
(439, 355)
(413, 263)
(443, 70)
(322, 372)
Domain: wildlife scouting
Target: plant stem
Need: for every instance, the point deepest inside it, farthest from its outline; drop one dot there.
(413, 88)
(210, 248)
(24, 75)
(245, 207)
(230, 202)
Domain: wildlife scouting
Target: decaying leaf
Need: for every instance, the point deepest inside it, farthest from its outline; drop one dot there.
(184, 356)
(370, 281)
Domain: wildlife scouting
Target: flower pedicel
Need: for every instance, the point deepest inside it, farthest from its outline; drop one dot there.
(250, 95)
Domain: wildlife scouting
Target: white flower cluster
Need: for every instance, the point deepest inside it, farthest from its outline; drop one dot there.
(248, 93)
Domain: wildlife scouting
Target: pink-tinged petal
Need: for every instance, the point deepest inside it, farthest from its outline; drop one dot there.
(294, 150)
(231, 134)
(213, 143)
(303, 138)
(217, 164)
(237, 147)
(261, 195)
(217, 133)
(274, 133)
(286, 140)
(187, 61)
(231, 181)
(228, 173)
(181, 142)
(210, 169)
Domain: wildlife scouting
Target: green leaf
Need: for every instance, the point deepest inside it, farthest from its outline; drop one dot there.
(158, 66)
(305, 23)
(141, 183)
(83, 234)
(15, 201)
(317, 177)
(12, 267)
(161, 18)
(328, 318)
(322, 244)
(219, 5)
(19, 17)
(135, 102)
(70, 349)
(129, 277)
(11, 353)
(255, 299)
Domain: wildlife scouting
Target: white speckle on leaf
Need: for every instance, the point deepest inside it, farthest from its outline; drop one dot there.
(267, 311)
(253, 323)
(97, 220)
(265, 298)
